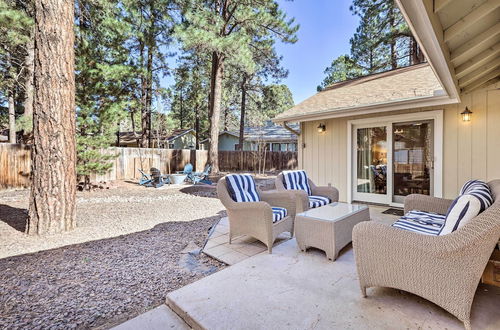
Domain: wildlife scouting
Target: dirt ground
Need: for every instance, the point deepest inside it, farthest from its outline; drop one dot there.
(124, 209)
(131, 248)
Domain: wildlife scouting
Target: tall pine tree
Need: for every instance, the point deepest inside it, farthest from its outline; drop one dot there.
(226, 29)
(382, 41)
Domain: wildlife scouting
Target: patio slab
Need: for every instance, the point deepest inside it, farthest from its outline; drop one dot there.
(243, 247)
(290, 289)
(159, 318)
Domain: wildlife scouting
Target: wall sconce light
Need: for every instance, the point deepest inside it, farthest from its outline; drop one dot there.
(466, 114)
(321, 128)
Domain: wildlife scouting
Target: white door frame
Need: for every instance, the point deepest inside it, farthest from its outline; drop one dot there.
(436, 115)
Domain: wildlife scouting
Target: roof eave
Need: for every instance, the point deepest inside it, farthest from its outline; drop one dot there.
(427, 30)
(412, 103)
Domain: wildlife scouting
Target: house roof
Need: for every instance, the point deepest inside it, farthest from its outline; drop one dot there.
(460, 39)
(404, 84)
(130, 137)
(267, 133)
(271, 133)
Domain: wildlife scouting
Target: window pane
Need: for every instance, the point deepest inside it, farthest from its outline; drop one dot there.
(372, 160)
(412, 158)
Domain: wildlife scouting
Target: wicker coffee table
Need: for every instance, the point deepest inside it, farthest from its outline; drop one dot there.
(329, 227)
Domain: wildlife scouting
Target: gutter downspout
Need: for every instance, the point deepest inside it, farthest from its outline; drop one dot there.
(288, 128)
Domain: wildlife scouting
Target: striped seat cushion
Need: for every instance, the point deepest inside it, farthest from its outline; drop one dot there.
(242, 188)
(421, 222)
(278, 213)
(479, 189)
(296, 180)
(317, 201)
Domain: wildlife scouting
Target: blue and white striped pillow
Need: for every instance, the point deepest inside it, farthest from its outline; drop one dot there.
(463, 209)
(479, 189)
(242, 188)
(296, 180)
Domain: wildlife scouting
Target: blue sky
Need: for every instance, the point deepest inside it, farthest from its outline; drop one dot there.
(325, 29)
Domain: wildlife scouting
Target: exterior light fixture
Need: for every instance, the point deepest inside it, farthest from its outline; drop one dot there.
(466, 114)
(321, 128)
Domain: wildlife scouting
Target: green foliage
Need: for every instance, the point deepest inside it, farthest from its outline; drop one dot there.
(190, 91)
(382, 42)
(239, 36)
(342, 68)
(275, 100)
(104, 80)
(15, 27)
(232, 28)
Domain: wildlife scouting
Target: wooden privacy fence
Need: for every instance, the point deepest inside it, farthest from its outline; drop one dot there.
(15, 162)
(249, 161)
(15, 165)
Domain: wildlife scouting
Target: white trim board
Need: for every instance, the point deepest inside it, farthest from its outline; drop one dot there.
(436, 115)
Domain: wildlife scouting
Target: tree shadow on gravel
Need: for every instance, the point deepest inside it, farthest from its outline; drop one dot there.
(200, 191)
(103, 283)
(15, 217)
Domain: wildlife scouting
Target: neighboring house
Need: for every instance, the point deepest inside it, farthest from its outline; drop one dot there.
(272, 137)
(177, 139)
(381, 137)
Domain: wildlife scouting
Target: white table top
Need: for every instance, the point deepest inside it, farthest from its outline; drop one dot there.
(333, 212)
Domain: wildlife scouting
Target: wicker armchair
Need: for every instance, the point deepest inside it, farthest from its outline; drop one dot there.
(301, 196)
(443, 269)
(256, 218)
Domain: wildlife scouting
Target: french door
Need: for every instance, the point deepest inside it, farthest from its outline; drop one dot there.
(393, 159)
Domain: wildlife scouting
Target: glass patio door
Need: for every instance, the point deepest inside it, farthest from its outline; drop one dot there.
(370, 159)
(413, 165)
(392, 160)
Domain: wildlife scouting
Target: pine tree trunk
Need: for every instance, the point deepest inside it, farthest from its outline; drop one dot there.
(214, 109)
(12, 116)
(29, 66)
(242, 112)
(144, 111)
(149, 95)
(197, 127)
(53, 188)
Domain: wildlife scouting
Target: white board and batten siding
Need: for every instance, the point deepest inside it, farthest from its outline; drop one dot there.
(471, 150)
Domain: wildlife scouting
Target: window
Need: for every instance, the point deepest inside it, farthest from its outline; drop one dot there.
(275, 147)
(292, 147)
(171, 146)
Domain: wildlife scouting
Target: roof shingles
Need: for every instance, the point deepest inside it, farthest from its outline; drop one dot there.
(412, 82)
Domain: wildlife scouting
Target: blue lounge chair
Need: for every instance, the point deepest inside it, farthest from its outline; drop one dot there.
(145, 179)
(188, 169)
(155, 179)
(201, 177)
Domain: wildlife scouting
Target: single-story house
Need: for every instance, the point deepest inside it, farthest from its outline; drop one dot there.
(177, 139)
(424, 129)
(272, 137)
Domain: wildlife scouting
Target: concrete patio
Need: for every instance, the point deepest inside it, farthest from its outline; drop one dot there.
(243, 247)
(290, 289)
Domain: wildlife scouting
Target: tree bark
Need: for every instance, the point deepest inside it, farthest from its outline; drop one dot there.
(53, 189)
(144, 111)
(214, 109)
(197, 126)
(12, 116)
(242, 112)
(29, 65)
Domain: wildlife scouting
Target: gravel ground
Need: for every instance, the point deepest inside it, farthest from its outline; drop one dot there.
(106, 213)
(92, 277)
(102, 283)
